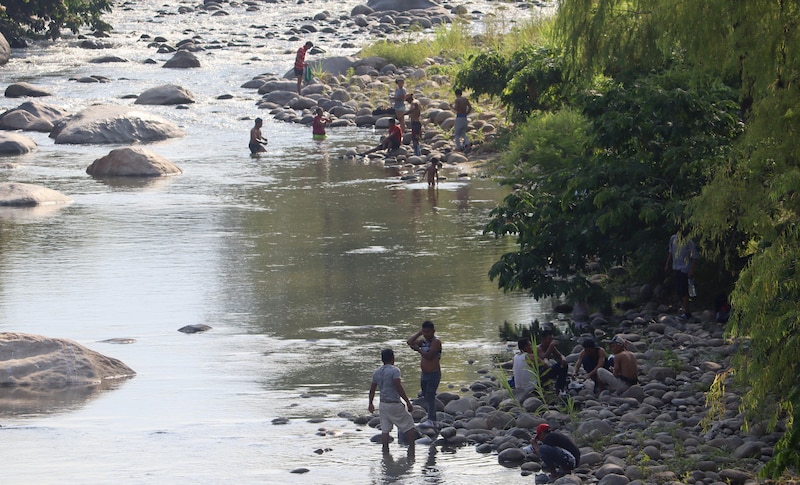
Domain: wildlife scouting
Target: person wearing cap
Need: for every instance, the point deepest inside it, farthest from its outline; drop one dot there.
(392, 409)
(399, 103)
(558, 452)
(626, 369)
(552, 364)
(592, 358)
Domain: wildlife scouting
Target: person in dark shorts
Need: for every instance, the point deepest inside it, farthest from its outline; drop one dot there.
(257, 141)
(300, 64)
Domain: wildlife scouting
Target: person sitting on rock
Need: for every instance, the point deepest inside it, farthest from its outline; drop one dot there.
(523, 362)
(391, 141)
(626, 368)
(592, 358)
(552, 364)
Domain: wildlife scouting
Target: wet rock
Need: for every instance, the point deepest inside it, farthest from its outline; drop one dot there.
(5, 50)
(199, 328)
(15, 144)
(132, 162)
(182, 60)
(27, 195)
(20, 90)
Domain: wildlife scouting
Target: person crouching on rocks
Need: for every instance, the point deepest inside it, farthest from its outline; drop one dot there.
(558, 452)
(391, 141)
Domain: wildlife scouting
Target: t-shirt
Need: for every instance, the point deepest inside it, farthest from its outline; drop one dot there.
(399, 99)
(682, 254)
(522, 372)
(317, 126)
(559, 440)
(300, 60)
(384, 377)
(396, 134)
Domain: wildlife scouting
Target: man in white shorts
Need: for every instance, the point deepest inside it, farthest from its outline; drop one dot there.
(392, 410)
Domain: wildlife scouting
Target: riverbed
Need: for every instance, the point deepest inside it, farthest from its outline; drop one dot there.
(304, 263)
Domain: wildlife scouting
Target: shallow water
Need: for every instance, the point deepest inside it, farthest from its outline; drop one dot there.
(304, 263)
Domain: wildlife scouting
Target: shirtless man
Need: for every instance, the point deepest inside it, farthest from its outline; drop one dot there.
(462, 107)
(257, 141)
(430, 351)
(415, 115)
(626, 368)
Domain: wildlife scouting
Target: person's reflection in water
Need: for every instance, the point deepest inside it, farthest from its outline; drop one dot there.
(433, 197)
(430, 471)
(397, 471)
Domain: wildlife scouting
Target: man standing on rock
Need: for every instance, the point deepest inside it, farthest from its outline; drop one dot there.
(462, 107)
(626, 368)
(415, 115)
(393, 395)
(300, 64)
(558, 452)
(430, 351)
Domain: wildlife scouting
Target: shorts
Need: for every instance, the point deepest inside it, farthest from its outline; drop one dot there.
(395, 413)
(256, 148)
(416, 128)
(298, 72)
(681, 282)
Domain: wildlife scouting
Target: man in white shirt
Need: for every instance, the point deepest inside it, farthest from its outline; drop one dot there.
(523, 362)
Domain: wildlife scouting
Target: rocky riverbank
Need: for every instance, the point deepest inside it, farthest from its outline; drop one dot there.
(653, 433)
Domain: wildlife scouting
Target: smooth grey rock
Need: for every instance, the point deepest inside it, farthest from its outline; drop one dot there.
(15, 144)
(167, 94)
(199, 328)
(5, 50)
(132, 162)
(38, 362)
(113, 124)
(29, 195)
(19, 90)
(182, 60)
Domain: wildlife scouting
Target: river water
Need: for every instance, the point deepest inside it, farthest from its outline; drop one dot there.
(305, 264)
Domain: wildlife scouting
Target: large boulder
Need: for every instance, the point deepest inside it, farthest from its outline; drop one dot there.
(38, 362)
(401, 5)
(132, 162)
(183, 60)
(26, 195)
(32, 116)
(165, 95)
(336, 65)
(20, 90)
(113, 124)
(15, 144)
(5, 50)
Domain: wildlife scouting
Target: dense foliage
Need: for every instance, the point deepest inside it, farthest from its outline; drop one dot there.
(662, 150)
(49, 17)
(604, 187)
(530, 79)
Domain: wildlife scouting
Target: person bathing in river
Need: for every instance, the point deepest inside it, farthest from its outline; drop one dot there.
(257, 141)
(319, 124)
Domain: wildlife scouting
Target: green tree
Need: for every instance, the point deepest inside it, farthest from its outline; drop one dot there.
(49, 17)
(750, 207)
(605, 187)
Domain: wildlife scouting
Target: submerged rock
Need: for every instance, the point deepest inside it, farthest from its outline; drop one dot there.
(28, 195)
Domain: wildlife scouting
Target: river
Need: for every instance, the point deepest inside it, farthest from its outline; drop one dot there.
(305, 264)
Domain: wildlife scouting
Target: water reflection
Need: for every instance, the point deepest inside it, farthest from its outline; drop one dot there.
(397, 470)
(19, 401)
(29, 214)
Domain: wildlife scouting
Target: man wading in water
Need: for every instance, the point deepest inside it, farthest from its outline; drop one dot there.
(430, 351)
